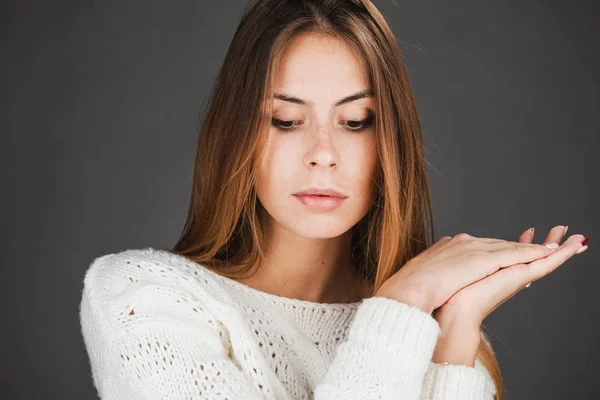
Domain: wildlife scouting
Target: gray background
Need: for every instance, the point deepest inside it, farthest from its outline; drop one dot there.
(100, 103)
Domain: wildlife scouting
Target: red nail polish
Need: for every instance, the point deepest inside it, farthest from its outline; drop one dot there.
(584, 241)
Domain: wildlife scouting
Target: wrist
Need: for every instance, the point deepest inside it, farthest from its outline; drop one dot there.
(458, 343)
(451, 316)
(411, 298)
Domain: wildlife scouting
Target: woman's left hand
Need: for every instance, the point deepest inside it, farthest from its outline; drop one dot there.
(463, 313)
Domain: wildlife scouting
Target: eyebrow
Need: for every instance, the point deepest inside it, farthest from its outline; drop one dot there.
(358, 95)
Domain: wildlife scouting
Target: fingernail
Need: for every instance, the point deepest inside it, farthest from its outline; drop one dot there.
(551, 245)
(565, 231)
(581, 250)
(584, 241)
(532, 230)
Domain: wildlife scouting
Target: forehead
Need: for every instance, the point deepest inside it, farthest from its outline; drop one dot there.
(317, 66)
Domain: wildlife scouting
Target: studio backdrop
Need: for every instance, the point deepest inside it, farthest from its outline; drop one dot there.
(100, 106)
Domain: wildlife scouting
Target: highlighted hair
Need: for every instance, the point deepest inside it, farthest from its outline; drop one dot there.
(223, 230)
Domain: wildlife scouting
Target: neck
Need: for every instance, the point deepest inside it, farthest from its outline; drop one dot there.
(312, 269)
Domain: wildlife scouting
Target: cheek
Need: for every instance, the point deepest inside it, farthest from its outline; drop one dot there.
(276, 168)
(365, 158)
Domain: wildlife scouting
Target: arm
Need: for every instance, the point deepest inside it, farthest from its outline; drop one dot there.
(148, 339)
(172, 354)
(153, 341)
(386, 355)
(455, 372)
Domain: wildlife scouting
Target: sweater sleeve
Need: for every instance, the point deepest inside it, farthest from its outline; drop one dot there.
(457, 382)
(147, 339)
(396, 342)
(386, 355)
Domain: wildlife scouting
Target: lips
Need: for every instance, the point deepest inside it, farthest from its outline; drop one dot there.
(320, 203)
(319, 195)
(323, 192)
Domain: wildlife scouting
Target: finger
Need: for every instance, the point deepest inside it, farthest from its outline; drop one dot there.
(445, 239)
(503, 245)
(446, 242)
(553, 237)
(505, 283)
(456, 240)
(556, 234)
(501, 286)
(543, 267)
(511, 253)
(527, 236)
(490, 240)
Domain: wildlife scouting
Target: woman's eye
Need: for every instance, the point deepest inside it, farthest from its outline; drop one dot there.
(284, 125)
(358, 126)
(353, 126)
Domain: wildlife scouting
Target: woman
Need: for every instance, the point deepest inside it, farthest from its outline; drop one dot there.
(303, 269)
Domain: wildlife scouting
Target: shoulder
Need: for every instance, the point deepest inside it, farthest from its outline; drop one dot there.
(150, 279)
(139, 306)
(114, 273)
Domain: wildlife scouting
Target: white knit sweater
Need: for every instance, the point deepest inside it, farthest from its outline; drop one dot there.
(159, 326)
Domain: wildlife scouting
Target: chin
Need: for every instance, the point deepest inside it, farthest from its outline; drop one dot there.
(319, 226)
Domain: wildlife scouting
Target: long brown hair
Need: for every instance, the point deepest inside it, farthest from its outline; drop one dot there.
(223, 230)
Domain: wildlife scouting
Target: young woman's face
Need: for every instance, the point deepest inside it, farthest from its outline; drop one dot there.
(319, 143)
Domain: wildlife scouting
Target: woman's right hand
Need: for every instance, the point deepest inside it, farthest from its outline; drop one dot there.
(428, 280)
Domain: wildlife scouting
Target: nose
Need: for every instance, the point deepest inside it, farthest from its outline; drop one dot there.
(323, 153)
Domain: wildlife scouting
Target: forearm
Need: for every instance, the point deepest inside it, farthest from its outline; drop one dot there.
(459, 341)
(464, 378)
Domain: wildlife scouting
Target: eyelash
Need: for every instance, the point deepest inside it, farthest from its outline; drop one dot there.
(366, 123)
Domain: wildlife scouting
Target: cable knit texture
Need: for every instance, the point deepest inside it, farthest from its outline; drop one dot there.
(159, 326)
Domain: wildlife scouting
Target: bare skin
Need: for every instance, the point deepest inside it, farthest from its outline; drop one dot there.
(464, 278)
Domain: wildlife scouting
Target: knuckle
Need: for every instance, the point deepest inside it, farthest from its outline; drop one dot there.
(444, 239)
(462, 236)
